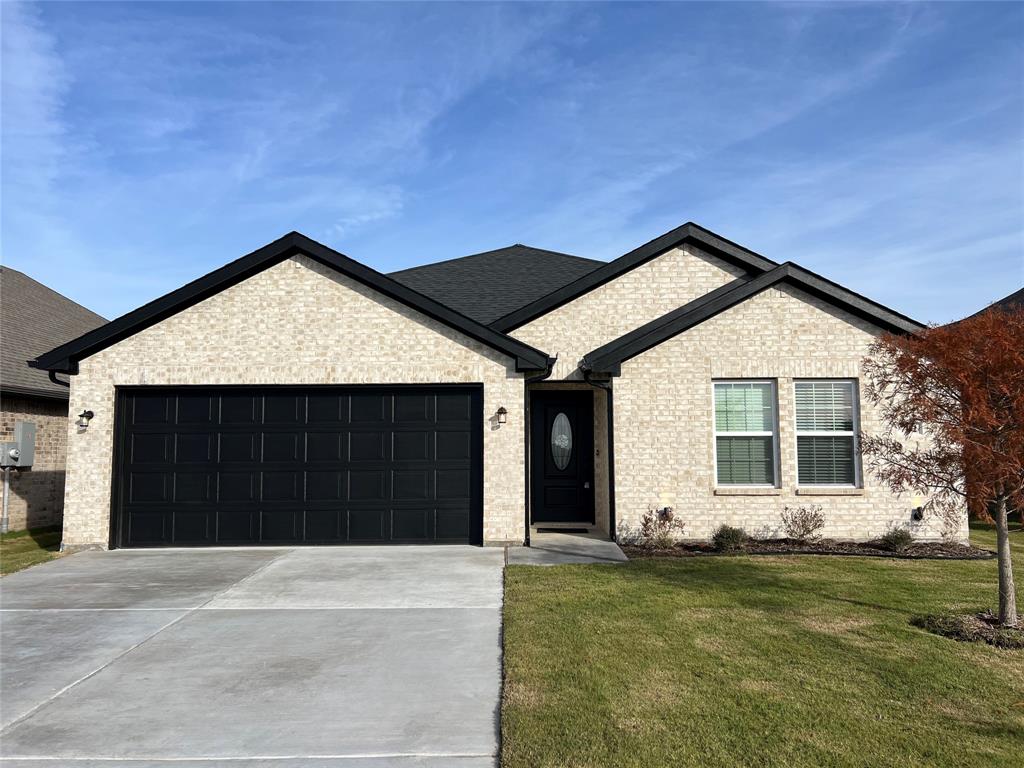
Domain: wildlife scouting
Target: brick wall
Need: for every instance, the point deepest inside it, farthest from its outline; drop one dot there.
(664, 441)
(616, 308)
(37, 494)
(297, 322)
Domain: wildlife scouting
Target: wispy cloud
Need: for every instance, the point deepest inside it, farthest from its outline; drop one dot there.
(144, 144)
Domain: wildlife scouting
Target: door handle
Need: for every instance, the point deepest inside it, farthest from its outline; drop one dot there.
(586, 484)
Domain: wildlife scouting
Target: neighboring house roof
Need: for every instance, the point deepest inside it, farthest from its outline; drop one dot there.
(65, 357)
(688, 233)
(1012, 302)
(488, 285)
(33, 319)
(609, 358)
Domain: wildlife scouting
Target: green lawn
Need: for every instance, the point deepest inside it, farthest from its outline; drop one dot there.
(20, 549)
(758, 661)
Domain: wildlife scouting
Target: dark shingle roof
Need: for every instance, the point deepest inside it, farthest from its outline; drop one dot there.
(1013, 301)
(33, 319)
(489, 285)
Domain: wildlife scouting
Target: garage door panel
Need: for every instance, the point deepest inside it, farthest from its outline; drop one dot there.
(412, 524)
(193, 527)
(236, 487)
(324, 446)
(324, 485)
(368, 408)
(193, 487)
(236, 447)
(366, 524)
(280, 446)
(452, 524)
(148, 527)
(151, 409)
(238, 408)
(412, 446)
(194, 447)
(195, 409)
(366, 446)
(200, 467)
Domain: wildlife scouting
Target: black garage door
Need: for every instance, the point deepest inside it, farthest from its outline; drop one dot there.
(312, 465)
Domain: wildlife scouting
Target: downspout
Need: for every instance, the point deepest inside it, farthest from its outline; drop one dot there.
(527, 381)
(607, 387)
(55, 380)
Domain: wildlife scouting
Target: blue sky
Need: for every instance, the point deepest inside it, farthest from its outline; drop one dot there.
(881, 145)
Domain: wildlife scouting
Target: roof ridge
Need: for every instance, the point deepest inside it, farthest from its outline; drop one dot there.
(493, 251)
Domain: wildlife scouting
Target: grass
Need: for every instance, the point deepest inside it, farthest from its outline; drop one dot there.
(20, 549)
(756, 661)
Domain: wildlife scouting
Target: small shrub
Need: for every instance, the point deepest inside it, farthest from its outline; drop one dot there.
(729, 539)
(974, 628)
(803, 523)
(896, 539)
(659, 529)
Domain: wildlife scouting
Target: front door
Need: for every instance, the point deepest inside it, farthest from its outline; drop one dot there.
(562, 456)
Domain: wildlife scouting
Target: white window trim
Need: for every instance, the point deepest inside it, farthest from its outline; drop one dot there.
(854, 433)
(774, 435)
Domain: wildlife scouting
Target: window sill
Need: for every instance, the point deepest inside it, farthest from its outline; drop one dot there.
(826, 491)
(752, 491)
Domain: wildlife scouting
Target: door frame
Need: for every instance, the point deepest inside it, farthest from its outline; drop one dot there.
(478, 465)
(533, 468)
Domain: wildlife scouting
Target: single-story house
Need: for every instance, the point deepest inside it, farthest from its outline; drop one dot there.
(33, 319)
(298, 396)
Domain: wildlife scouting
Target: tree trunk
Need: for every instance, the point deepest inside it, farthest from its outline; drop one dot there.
(1007, 593)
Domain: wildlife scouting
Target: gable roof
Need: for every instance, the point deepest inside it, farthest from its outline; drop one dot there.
(65, 357)
(609, 358)
(33, 319)
(688, 233)
(488, 285)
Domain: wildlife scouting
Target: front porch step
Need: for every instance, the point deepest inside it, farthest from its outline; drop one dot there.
(562, 548)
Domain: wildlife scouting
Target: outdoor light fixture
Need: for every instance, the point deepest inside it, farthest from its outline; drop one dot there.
(83, 419)
(502, 415)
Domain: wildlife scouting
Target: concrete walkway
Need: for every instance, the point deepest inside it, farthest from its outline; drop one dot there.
(560, 548)
(355, 657)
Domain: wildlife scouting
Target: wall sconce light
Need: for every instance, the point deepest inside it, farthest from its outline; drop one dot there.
(83, 419)
(502, 415)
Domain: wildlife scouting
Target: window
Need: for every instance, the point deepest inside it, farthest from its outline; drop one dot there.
(745, 432)
(826, 447)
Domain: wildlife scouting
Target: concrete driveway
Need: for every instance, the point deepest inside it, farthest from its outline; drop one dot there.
(355, 657)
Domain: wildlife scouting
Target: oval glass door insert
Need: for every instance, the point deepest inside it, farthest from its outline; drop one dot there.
(561, 441)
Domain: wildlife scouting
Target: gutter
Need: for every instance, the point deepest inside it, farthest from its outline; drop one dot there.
(527, 381)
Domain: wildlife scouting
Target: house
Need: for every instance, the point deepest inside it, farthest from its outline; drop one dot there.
(33, 319)
(298, 396)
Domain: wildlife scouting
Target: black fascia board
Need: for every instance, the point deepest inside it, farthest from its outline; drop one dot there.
(64, 359)
(609, 358)
(688, 233)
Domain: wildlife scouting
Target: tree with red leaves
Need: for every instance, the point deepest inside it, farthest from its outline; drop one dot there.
(962, 385)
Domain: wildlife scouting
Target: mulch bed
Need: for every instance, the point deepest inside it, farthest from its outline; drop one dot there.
(937, 550)
(972, 628)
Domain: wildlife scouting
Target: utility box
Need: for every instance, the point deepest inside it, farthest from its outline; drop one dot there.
(22, 452)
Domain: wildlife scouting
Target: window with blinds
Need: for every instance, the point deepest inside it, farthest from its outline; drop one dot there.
(826, 448)
(745, 432)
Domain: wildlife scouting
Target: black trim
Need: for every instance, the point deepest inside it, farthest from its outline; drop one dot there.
(527, 381)
(688, 233)
(65, 358)
(610, 416)
(29, 392)
(609, 358)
